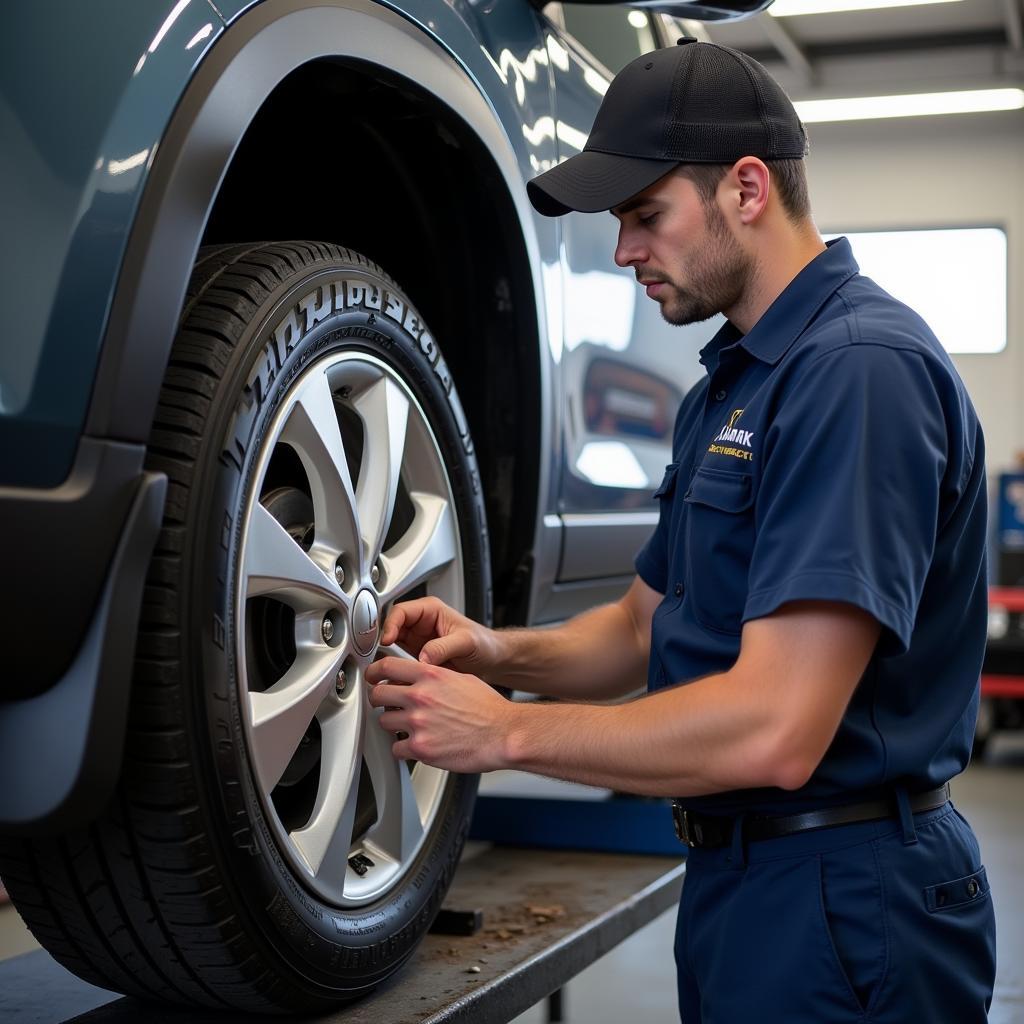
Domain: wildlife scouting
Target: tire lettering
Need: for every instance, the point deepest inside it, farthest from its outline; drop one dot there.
(236, 457)
(428, 347)
(287, 335)
(395, 308)
(413, 324)
(443, 375)
(317, 306)
(360, 293)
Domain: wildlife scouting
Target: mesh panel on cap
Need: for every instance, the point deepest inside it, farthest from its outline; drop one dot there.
(724, 105)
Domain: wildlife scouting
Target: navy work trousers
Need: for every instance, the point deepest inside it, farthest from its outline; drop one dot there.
(874, 922)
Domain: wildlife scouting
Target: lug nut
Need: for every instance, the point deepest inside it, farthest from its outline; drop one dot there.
(327, 629)
(374, 574)
(339, 575)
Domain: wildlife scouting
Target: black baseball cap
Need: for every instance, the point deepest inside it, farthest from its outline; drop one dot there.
(697, 103)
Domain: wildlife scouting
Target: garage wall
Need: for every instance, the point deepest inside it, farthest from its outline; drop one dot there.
(958, 171)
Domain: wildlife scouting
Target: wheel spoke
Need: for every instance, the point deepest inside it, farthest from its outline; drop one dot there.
(399, 826)
(281, 714)
(394, 651)
(326, 840)
(312, 430)
(276, 565)
(384, 409)
(429, 545)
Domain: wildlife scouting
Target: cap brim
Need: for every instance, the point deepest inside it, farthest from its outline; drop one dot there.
(591, 182)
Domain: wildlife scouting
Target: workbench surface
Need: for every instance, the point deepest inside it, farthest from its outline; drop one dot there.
(546, 915)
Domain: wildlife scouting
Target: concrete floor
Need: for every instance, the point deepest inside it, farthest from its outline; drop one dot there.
(636, 982)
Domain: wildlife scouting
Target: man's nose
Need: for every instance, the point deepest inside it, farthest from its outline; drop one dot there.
(628, 249)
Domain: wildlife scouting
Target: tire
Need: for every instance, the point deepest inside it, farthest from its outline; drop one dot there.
(263, 850)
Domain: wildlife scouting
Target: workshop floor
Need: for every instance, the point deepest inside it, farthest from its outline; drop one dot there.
(635, 981)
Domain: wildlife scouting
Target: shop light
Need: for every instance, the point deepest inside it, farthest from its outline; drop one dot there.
(791, 8)
(923, 104)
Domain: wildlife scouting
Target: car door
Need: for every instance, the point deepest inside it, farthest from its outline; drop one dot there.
(623, 369)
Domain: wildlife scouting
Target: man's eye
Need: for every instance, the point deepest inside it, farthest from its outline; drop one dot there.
(649, 219)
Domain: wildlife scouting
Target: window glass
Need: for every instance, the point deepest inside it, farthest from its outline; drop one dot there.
(614, 35)
(955, 278)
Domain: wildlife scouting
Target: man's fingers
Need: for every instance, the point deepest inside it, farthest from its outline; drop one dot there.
(387, 695)
(397, 670)
(401, 750)
(394, 721)
(393, 625)
(459, 644)
(407, 615)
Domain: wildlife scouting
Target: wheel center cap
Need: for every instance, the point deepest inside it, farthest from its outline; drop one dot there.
(365, 624)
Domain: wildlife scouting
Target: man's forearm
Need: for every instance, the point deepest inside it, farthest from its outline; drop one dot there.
(706, 737)
(595, 656)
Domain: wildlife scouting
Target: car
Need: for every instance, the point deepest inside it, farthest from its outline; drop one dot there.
(1002, 674)
(286, 344)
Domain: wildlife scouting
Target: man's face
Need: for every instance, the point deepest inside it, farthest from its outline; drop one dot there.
(683, 251)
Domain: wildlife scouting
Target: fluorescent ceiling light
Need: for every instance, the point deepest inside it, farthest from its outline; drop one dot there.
(791, 8)
(914, 105)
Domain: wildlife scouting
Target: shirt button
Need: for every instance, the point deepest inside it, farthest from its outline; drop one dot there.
(678, 591)
(720, 395)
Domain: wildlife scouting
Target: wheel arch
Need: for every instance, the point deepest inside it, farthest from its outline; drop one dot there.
(200, 181)
(409, 183)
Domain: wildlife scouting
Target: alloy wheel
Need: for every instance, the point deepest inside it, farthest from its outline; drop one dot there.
(350, 509)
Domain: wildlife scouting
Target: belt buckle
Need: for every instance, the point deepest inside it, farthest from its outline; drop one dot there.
(688, 831)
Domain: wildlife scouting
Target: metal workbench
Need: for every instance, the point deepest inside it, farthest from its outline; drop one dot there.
(546, 915)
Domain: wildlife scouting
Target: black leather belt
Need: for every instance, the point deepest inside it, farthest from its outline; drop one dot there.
(708, 831)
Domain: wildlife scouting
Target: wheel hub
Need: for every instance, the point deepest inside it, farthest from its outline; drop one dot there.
(365, 623)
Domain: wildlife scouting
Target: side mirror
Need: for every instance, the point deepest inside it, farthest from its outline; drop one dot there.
(698, 10)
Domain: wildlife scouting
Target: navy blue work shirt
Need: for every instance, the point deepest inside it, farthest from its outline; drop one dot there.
(831, 454)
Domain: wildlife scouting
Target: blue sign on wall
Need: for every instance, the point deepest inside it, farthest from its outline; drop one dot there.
(1011, 511)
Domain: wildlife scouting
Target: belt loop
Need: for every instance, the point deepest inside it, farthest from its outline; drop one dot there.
(906, 816)
(738, 853)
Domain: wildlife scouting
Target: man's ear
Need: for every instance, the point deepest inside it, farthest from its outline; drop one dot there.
(750, 184)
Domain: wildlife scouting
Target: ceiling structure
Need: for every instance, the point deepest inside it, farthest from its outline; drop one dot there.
(930, 47)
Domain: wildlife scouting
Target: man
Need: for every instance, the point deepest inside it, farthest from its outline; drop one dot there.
(816, 581)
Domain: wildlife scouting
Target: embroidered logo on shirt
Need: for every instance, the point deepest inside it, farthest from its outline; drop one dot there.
(732, 434)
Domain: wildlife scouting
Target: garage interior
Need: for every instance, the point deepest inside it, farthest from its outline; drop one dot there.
(871, 173)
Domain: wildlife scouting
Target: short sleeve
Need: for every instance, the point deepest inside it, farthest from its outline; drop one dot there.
(652, 561)
(848, 501)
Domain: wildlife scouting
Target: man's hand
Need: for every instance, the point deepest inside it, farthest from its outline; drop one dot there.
(436, 634)
(452, 721)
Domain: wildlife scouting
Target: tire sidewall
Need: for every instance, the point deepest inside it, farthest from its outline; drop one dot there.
(366, 312)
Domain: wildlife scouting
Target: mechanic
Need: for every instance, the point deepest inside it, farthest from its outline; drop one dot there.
(811, 609)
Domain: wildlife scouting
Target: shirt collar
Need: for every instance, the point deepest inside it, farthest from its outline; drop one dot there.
(788, 316)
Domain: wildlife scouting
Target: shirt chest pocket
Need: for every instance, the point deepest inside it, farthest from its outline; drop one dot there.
(666, 497)
(719, 545)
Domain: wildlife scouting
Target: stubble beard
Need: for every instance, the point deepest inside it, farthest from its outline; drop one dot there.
(721, 272)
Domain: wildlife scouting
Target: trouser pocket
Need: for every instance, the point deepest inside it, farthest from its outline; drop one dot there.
(855, 918)
(759, 949)
(939, 905)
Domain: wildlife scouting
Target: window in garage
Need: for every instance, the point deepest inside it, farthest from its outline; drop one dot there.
(954, 277)
(614, 35)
